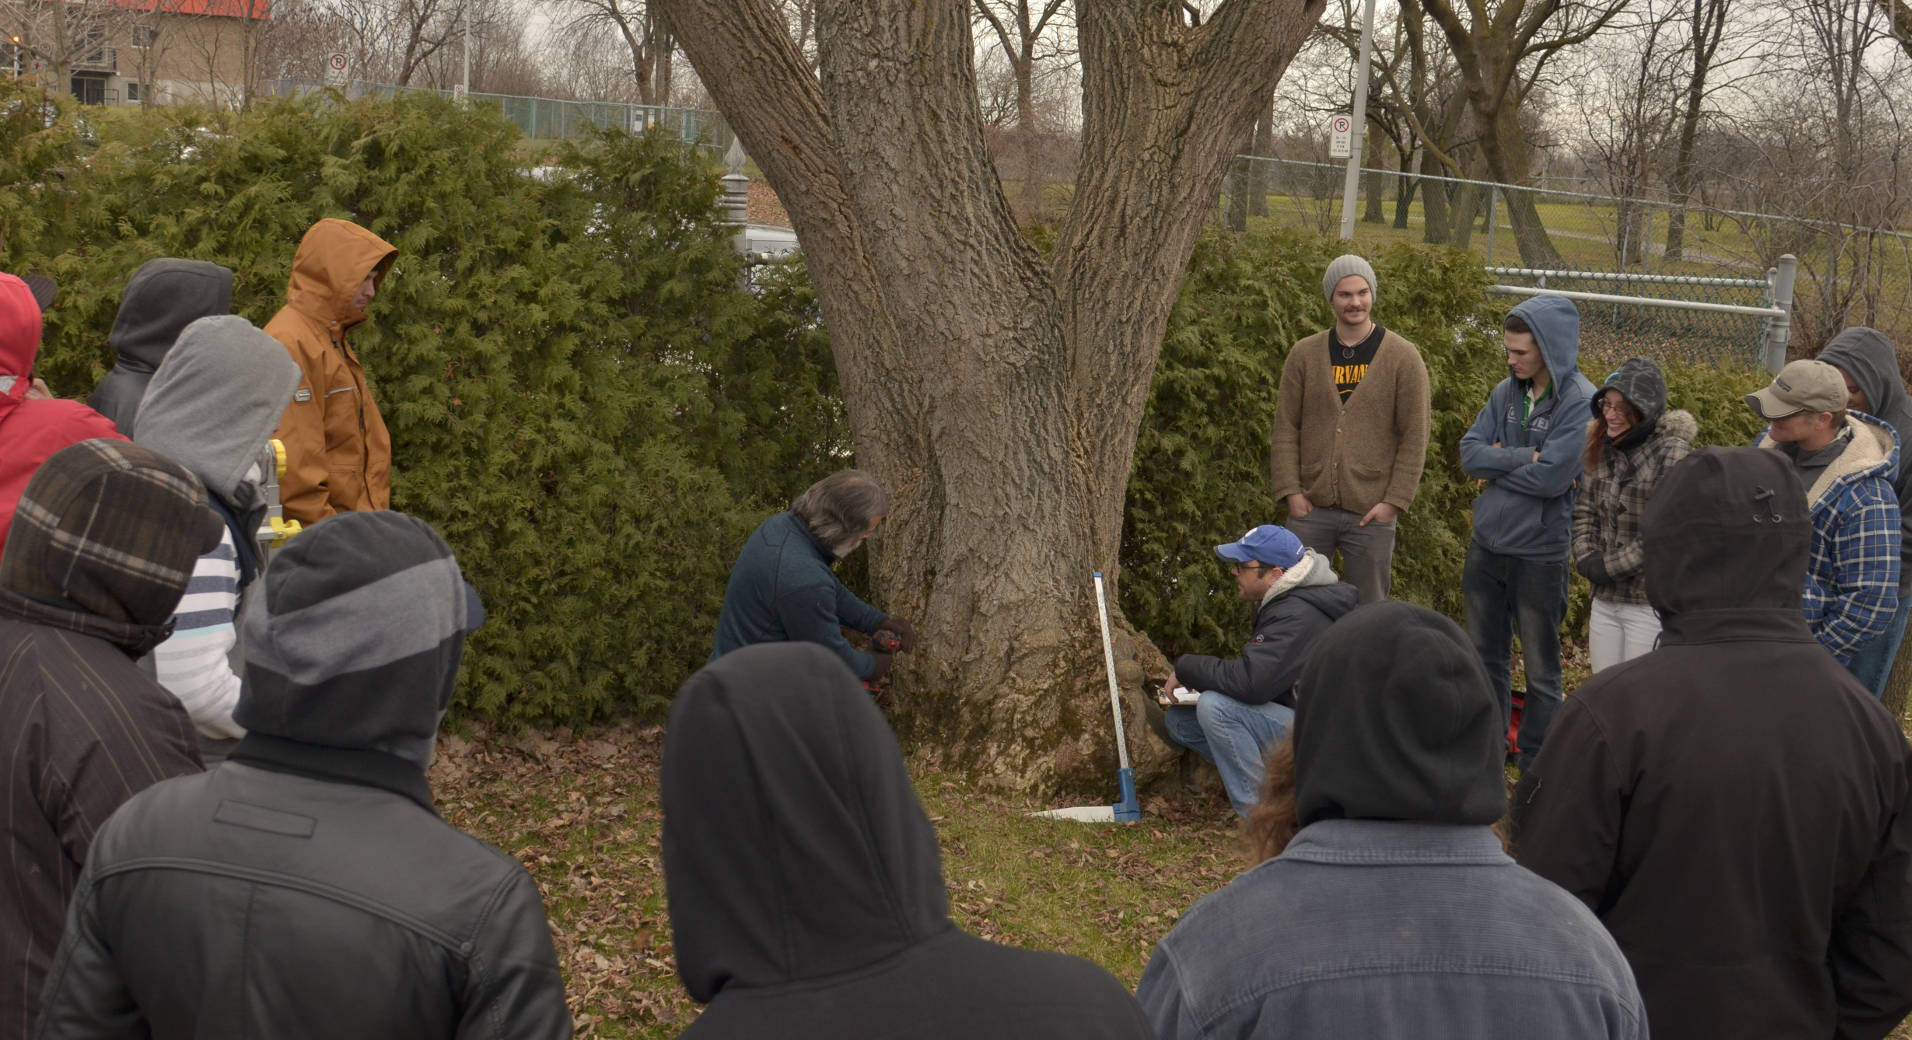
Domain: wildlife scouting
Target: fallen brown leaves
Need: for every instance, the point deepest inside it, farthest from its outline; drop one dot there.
(580, 811)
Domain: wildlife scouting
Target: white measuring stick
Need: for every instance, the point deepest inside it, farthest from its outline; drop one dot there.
(1108, 659)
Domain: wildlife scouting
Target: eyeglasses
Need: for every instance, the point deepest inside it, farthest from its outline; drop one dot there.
(1613, 406)
(1249, 566)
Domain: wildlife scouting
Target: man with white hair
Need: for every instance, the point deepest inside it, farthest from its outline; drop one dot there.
(782, 587)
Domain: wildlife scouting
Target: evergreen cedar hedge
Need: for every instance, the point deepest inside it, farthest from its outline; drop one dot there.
(593, 410)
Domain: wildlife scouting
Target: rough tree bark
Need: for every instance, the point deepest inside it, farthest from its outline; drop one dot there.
(994, 390)
(1898, 14)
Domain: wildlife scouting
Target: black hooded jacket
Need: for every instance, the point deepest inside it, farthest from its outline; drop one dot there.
(1869, 360)
(1410, 734)
(805, 884)
(161, 299)
(307, 887)
(1734, 806)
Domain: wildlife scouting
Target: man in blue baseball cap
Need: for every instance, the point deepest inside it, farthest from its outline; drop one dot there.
(1246, 704)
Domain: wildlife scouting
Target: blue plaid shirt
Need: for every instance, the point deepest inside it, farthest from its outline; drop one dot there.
(1852, 576)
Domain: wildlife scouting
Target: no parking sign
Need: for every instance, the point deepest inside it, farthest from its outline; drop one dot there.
(335, 69)
(1340, 137)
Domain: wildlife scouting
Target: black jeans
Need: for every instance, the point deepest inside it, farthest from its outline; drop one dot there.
(1505, 591)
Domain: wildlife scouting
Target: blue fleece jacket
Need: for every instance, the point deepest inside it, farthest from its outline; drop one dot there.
(782, 588)
(1526, 509)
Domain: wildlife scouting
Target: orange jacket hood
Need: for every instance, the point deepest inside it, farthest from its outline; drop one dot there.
(333, 260)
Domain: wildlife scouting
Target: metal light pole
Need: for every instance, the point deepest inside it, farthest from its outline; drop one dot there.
(1359, 146)
(465, 90)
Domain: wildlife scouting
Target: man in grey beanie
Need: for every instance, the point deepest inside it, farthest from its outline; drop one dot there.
(311, 867)
(1351, 429)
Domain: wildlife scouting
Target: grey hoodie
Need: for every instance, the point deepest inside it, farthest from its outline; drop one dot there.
(1867, 357)
(211, 407)
(1526, 509)
(161, 299)
(215, 400)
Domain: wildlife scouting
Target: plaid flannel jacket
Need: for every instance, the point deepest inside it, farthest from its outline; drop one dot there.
(1852, 576)
(1612, 499)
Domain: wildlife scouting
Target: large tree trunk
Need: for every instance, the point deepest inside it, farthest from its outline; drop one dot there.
(1404, 185)
(1505, 151)
(1374, 184)
(994, 391)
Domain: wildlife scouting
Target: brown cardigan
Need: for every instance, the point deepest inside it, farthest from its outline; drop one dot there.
(1351, 457)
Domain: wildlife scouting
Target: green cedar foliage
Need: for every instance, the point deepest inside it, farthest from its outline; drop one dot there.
(544, 350)
(41, 147)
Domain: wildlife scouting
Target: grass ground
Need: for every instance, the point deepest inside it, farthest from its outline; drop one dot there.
(581, 813)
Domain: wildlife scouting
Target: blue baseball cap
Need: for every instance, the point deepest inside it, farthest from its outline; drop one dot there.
(1271, 544)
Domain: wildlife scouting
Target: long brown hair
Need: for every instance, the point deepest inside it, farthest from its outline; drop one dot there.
(1272, 823)
(1597, 442)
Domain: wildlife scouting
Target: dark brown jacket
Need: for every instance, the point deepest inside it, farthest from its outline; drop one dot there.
(86, 730)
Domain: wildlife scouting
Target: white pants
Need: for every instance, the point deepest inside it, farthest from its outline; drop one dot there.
(1619, 632)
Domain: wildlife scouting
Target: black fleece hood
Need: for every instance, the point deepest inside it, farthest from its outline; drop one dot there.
(161, 299)
(1395, 720)
(794, 846)
(1726, 528)
(1867, 357)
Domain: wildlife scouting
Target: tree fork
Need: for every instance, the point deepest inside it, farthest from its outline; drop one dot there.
(995, 391)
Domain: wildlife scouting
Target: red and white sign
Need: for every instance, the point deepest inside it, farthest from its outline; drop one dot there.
(1340, 137)
(335, 69)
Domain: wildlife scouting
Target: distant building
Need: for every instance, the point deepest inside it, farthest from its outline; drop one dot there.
(163, 51)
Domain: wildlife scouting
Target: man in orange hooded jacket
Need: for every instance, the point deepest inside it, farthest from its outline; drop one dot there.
(338, 453)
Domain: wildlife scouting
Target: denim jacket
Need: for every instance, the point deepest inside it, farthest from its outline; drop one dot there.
(1376, 928)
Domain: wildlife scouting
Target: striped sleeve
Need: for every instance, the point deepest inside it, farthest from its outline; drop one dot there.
(194, 663)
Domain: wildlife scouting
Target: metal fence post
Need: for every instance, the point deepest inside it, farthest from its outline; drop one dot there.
(1646, 239)
(1493, 195)
(736, 204)
(1779, 332)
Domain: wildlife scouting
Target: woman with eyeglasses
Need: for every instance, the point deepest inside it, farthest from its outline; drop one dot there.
(1631, 441)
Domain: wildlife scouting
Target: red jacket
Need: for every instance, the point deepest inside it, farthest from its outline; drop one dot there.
(30, 431)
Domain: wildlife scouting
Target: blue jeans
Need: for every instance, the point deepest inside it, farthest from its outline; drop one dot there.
(1502, 592)
(1872, 664)
(1234, 736)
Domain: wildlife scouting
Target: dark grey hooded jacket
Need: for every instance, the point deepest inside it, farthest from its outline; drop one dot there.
(1867, 357)
(307, 888)
(806, 888)
(1734, 806)
(161, 299)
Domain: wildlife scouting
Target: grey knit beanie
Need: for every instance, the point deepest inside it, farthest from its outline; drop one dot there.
(1341, 267)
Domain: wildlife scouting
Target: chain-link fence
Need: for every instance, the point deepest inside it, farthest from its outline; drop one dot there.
(1846, 275)
(555, 118)
(1685, 317)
